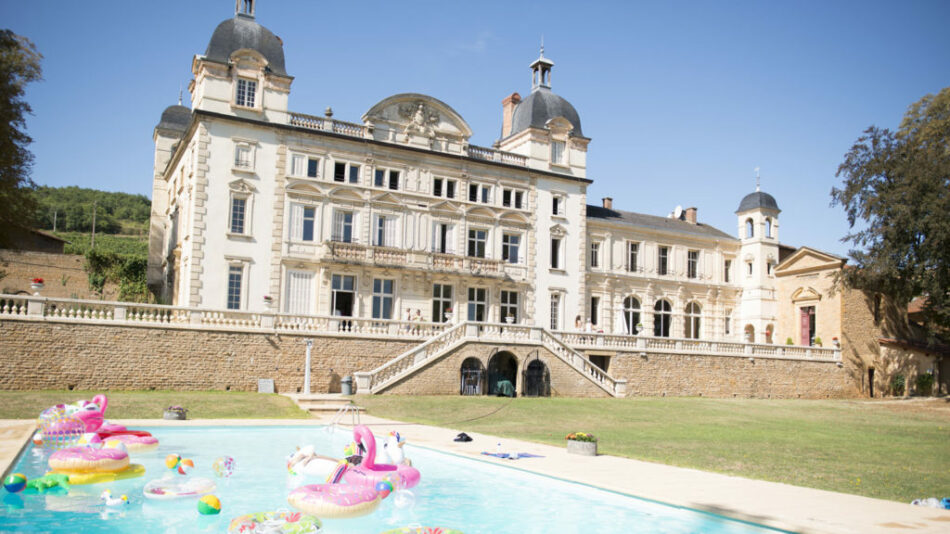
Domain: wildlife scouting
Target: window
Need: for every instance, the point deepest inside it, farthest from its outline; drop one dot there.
(246, 93)
(342, 226)
(594, 255)
(555, 253)
(692, 264)
(693, 313)
(382, 298)
(749, 226)
(476, 243)
(768, 268)
(594, 310)
(477, 303)
(384, 231)
(749, 264)
(238, 214)
(441, 302)
(512, 198)
(662, 267)
(662, 315)
(242, 157)
(727, 326)
(343, 172)
(509, 306)
(510, 243)
(768, 227)
(437, 186)
(631, 315)
(727, 271)
(301, 165)
(299, 292)
(443, 238)
(343, 295)
(386, 178)
(235, 283)
(557, 152)
(479, 193)
(633, 249)
(302, 221)
(555, 311)
(450, 188)
(557, 206)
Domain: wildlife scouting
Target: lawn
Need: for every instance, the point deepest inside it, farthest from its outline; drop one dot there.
(150, 404)
(898, 450)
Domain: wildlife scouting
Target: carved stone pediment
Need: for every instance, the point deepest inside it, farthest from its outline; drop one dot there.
(413, 114)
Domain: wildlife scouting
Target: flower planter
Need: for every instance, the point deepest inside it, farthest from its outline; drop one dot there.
(174, 415)
(584, 448)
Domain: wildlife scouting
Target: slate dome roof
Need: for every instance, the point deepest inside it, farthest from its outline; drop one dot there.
(176, 118)
(758, 200)
(244, 32)
(541, 106)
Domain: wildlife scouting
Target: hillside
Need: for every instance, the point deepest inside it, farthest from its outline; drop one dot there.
(70, 209)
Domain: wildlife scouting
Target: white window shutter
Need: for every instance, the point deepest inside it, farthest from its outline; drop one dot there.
(296, 222)
(390, 232)
(435, 237)
(450, 239)
(337, 226)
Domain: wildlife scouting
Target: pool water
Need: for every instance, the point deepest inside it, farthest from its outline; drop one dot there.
(469, 495)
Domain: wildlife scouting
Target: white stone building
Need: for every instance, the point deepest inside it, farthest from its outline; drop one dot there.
(261, 209)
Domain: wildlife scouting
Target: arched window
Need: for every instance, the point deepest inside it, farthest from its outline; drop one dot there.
(749, 333)
(768, 227)
(662, 315)
(631, 314)
(693, 313)
(749, 226)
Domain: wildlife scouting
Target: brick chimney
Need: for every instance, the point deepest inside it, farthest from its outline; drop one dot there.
(507, 111)
(690, 215)
(608, 203)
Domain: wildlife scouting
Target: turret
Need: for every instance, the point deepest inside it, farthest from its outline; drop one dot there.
(757, 218)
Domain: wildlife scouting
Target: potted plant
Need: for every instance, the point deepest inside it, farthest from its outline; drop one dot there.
(582, 443)
(448, 315)
(817, 341)
(268, 301)
(510, 319)
(788, 341)
(835, 342)
(175, 412)
(36, 284)
(639, 328)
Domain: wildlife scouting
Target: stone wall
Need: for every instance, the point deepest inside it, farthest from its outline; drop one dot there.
(660, 375)
(64, 275)
(51, 355)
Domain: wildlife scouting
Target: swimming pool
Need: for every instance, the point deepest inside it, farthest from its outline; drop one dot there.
(470, 495)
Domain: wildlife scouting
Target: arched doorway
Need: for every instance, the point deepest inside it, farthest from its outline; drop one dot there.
(503, 374)
(537, 379)
(749, 333)
(472, 380)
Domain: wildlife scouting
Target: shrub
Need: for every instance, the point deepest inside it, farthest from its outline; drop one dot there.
(925, 384)
(817, 341)
(581, 436)
(897, 385)
(788, 341)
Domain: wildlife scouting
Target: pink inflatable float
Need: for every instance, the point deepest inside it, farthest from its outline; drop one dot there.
(335, 500)
(369, 473)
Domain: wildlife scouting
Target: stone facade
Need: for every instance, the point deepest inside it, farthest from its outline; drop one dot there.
(64, 275)
(50, 355)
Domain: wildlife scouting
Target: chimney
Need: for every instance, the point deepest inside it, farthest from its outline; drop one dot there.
(608, 203)
(507, 111)
(690, 215)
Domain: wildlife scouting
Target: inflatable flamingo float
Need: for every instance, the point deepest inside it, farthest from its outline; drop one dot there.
(369, 473)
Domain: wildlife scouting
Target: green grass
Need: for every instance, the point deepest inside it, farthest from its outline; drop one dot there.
(150, 404)
(897, 451)
(80, 242)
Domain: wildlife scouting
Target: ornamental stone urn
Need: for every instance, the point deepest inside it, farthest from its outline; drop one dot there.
(584, 448)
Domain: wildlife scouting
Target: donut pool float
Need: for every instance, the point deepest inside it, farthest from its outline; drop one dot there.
(280, 521)
(417, 529)
(134, 442)
(369, 473)
(335, 500)
(89, 460)
(178, 487)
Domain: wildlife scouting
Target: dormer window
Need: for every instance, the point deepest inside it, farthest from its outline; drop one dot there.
(246, 93)
(557, 152)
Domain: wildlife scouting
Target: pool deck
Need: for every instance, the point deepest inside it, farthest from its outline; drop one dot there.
(768, 503)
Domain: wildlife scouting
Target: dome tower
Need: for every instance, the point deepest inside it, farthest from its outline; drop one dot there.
(242, 70)
(757, 218)
(544, 126)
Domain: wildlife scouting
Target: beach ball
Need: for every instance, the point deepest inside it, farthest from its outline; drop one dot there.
(60, 431)
(185, 466)
(171, 461)
(223, 466)
(404, 499)
(209, 505)
(15, 483)
(384, 487)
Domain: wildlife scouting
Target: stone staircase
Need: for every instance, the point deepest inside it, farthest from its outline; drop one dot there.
(413, 360)
(323, 404)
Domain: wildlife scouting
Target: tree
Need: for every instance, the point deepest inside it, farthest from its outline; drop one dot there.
(896, 193)
(19, 65)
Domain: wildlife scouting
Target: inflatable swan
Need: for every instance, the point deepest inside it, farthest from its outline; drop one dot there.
(305, 461)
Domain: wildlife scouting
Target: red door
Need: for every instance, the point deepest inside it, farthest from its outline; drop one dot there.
(806, 326)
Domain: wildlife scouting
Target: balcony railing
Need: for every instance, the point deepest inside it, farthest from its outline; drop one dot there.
(490, 154)
(373, 255)
(326, 124)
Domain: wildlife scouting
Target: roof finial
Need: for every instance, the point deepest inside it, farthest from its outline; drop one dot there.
(542, 45)
(757, 185)
(179, 94)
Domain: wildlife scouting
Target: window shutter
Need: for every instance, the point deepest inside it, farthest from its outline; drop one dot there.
(299, 290)
(337, 226)
(435, 237)
(450, 239)
(296, 222)
(390, 231)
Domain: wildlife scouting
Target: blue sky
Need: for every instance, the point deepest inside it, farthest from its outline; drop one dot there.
(682, 99)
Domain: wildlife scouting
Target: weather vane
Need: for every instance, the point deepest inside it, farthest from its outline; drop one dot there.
(757, 187)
